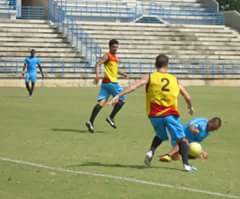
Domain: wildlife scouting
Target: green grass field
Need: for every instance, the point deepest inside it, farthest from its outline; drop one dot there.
(49, 130)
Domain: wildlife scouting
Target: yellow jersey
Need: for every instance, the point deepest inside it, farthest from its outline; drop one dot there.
(111, 69)
(162, 92)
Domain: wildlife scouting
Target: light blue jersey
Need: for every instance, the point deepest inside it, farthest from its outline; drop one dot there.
(201, 125)
(31, 74)
(32, 63)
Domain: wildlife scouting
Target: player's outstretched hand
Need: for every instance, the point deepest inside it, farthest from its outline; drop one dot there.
(190, 110)
(204, 155)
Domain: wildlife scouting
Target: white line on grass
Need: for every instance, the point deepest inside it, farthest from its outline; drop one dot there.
(126, 179)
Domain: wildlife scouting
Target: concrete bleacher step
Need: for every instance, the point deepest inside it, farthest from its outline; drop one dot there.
(40, 54)
(37, 44)
(29, 39)
(27, 30)
(162, 33)
(46, 59)
(30, 34)
(40, 49)
(181, 43)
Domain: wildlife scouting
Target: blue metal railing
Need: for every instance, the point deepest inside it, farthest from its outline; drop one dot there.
(11, 7)
(33, 12)
(74, 32)
(12, 4)
(198, 69)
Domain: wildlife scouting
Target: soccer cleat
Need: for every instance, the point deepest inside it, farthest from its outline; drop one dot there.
(165, 158)
(148, 158)
(111, 122)
(189, 168)
(90, 127)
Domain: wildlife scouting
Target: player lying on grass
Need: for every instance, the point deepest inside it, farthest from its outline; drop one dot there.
(162, 90)
(196, 130)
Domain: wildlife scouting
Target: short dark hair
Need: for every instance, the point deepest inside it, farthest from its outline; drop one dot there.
(112, 42)
(161, 61)
(217, 119)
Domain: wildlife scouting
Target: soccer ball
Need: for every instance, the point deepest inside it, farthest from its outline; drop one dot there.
(195, 149)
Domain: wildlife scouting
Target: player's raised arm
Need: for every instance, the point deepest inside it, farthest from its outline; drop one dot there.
(187, 98)
(101, 61)
(137, 84)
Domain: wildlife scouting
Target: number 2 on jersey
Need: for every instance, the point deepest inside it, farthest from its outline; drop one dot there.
(165, 86)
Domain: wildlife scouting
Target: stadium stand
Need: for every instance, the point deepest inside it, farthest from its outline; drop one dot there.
(80, 30)
(193, 49)
(17, 37)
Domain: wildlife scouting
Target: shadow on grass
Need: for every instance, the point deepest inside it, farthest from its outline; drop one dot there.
(74, 131)
(109, 165)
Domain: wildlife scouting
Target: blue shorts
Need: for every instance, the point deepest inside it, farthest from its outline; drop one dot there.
(168, 123)
(31, 77)
(110, 89)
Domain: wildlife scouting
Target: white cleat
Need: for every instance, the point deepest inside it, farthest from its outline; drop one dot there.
(111, 122)
(148, 158)
(189, 168)
(90, 127)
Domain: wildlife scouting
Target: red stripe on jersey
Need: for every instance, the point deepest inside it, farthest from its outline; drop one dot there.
(106, 80)
(158, 110)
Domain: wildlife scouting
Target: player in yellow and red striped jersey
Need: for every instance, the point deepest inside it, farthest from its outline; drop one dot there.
(109, 86)
(162, 90)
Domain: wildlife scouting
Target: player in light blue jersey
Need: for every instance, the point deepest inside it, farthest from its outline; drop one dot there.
(31, 63)
(197, 130)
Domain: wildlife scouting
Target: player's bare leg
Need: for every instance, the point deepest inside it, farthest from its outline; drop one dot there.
(32, 88)
(117, 107)
(28, 88)
(183, 150)
(149, 155)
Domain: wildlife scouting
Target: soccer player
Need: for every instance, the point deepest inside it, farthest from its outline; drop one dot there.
(31, 63)
(197, 130)
(162, 90)
(109, 86)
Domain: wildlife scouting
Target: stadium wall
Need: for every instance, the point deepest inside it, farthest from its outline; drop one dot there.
(232, 19)
(89, 82)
